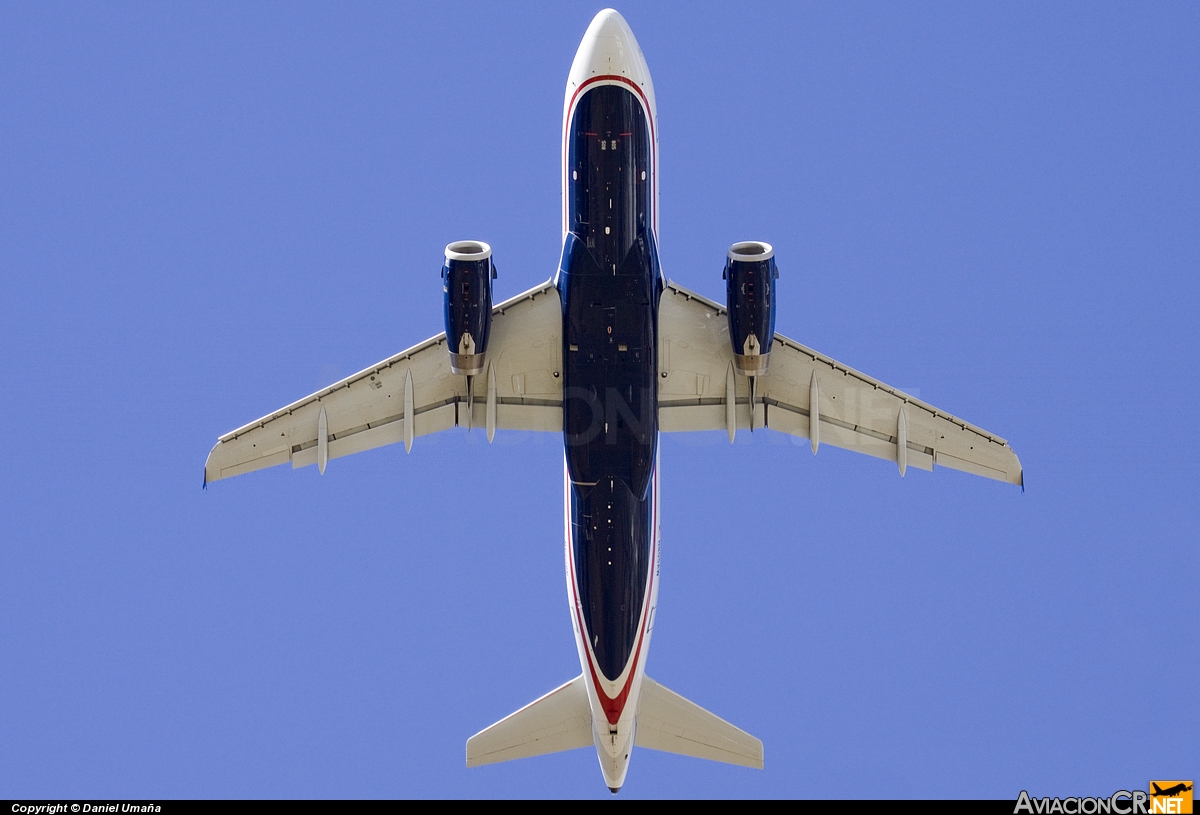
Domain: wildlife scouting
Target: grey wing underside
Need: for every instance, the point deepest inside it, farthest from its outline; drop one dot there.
(700, 391)
(413, 394)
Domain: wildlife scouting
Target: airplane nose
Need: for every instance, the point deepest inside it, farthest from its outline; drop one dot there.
(609, 23)
(608, 49)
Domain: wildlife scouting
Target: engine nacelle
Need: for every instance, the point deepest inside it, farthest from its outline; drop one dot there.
(467, 284)
(750, 276)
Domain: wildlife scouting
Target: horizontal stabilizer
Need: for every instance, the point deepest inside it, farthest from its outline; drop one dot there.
(668, 722)
(560, 720)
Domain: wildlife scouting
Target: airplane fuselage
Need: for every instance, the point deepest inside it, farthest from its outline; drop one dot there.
(610, 283)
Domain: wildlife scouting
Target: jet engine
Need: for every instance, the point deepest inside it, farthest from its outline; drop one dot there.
(750, 276)
(467, 283)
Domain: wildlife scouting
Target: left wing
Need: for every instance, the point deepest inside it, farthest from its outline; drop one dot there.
(414, 393)
(700, 391)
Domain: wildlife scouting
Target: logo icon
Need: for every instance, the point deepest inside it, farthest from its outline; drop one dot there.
(1170, 797)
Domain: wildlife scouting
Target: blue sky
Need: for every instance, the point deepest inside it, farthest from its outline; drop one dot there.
(208, 211)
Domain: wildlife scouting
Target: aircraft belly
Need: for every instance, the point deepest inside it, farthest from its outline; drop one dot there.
(610, 285)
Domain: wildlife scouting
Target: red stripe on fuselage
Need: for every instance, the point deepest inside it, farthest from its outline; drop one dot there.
(653, 137)
(613, 706)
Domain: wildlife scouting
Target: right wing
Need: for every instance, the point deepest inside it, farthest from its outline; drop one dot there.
(414, 393)
(700, 391)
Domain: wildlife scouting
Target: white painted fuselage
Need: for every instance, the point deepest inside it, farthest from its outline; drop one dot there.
(609, 55)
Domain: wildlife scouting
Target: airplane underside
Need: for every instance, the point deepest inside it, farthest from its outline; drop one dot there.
(610, 284)
(610, 354)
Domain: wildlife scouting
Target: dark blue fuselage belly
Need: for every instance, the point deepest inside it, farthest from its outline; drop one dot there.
(610, 284)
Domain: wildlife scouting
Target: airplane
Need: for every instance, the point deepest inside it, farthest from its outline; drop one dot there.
(610, 353)
(1170, 792)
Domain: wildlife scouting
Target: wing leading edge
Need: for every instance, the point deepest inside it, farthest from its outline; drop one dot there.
(699, 391)
(414, 393)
